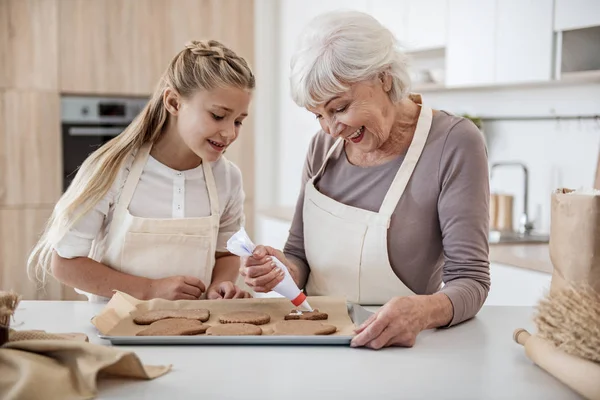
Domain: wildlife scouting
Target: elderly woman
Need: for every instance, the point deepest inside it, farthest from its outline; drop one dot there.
(394, 197)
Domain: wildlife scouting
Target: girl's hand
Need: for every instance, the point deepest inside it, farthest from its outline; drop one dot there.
(176, 288)
(226, 290)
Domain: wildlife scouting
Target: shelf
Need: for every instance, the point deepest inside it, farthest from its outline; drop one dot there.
(568, 78)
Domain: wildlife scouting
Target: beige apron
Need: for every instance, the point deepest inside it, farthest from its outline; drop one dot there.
(158, 248)
(346, 247)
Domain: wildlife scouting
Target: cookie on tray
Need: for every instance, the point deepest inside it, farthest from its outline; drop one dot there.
(307, 315)
(156, 315)
(245, 317)
(234, 330)
(303, 328)
(174, 327)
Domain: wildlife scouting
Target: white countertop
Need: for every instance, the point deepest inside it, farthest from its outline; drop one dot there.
(475, 360)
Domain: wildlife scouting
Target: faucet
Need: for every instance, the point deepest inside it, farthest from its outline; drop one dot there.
(525, 225)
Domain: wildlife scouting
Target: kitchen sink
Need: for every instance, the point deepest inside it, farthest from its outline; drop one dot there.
(517, 238)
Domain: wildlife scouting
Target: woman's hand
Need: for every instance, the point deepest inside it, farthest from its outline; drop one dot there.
(226, 290)
(260, 272)
(401, 319)
(176, 288)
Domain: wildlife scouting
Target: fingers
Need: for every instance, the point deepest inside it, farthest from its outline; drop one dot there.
(368, 322)
(382, 340)
(267, 287)
(371, 332)
(191, 280)
(213, 294)
(275, 275)
(191, 290)
(184, 296)
(259, 270)
(227, 290)
(259, 252)
(241, 294)
(275, 252)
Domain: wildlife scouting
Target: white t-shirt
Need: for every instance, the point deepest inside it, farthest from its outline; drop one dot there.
(163, 192)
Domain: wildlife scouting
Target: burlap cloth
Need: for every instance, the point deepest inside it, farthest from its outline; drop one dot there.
(42, 365)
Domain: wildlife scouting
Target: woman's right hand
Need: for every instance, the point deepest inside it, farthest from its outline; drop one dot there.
(260, 272)
(176, 288)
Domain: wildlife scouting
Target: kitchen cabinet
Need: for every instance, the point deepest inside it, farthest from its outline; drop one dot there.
(470, 53)
(524, 41)
(4, 33)
(29, 50)
(576, 14)
(499, 42)
(96, 46)
(124, 46)
(30, 148)
(427, 24)
(19, 231)
(514, 286)
(393, 14)
(417, 24)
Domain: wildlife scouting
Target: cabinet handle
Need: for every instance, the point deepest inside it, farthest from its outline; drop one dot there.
(95, 131)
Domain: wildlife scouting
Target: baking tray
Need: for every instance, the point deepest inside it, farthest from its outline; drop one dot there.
(357, 314)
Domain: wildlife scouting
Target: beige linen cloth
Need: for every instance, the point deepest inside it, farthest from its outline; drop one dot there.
(39, 365)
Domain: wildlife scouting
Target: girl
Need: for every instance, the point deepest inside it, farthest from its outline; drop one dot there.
(150, 212)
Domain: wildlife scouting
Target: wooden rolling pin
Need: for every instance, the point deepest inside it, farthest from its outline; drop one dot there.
(582, 376)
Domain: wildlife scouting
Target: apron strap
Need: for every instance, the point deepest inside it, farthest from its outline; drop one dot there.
(329, 153)
(211, 187)
(409, 163)
(134, 176)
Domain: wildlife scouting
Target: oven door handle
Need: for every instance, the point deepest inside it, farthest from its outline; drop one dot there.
(91, 131)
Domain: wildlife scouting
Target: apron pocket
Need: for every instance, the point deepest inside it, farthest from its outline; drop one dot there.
(158, 256)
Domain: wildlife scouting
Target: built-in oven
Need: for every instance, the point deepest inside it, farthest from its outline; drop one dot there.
(88, 123)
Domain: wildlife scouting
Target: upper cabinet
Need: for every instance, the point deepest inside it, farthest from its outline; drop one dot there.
(28, 52)
(96, 46)
(576, 14)
(417, 24)
(111, 47)
(393, 14)
(470, 53)
(124, 46)
(499, 41)
(524, 41)
(426, 24)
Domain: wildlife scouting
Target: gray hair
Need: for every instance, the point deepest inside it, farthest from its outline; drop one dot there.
(337, 49)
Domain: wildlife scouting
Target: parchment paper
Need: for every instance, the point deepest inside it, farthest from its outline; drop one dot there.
(116, 319)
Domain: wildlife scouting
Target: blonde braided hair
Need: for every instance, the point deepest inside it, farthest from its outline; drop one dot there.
(201, 65)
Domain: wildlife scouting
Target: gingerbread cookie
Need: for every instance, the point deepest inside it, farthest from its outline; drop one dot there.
(245, 317)
(303, 327)
(307, 315)
(156, 315)
(174, 327)
(234, 330)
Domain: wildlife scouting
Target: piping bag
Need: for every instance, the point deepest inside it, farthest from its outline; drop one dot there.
(241, 245)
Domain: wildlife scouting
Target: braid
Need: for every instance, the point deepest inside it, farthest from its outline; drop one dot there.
(209, 48)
